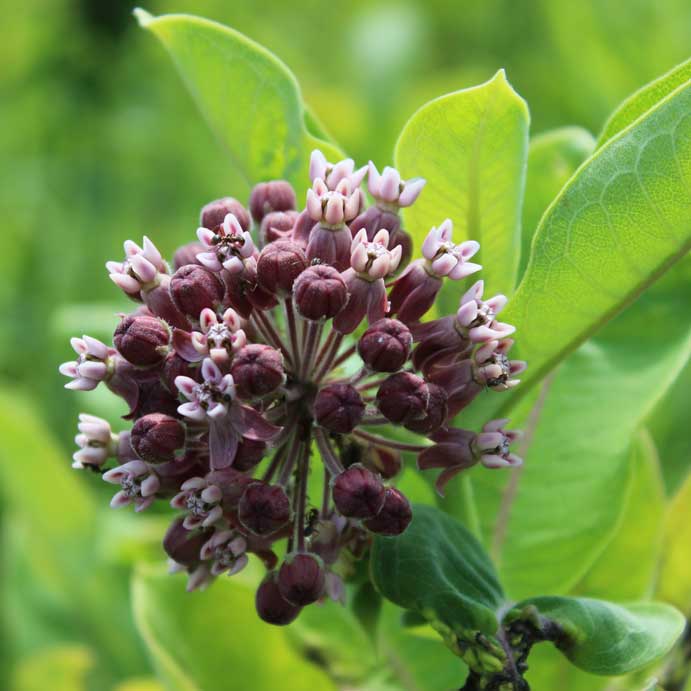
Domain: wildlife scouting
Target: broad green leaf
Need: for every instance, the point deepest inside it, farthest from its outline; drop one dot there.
(644, 99)
(671, 413)
(665, 423)
(214, 639)
(250, 99)
(60, 668)
(622, 221)
(438, 569)
(603, 638)
(674, 580)
(553, 157)
(626, 569)
(547, 522)
(471, 146)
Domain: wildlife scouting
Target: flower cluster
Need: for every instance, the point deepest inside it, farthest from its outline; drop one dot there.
(281, 348)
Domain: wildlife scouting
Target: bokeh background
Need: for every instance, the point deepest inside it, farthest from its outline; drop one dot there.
(100, 142)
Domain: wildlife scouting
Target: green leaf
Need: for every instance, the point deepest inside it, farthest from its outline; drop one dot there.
(552, 159)
(471, 146)
(438, 569)
(674, 580)
(644, 99)
(626, 569)
(604, 638)
(547, 522)
(250, 99)
(618, 225)
(214, 640)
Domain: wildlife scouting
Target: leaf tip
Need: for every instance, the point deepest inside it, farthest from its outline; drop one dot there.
(143, 17)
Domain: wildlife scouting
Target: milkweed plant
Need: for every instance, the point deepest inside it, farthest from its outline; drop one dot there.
(343, 335)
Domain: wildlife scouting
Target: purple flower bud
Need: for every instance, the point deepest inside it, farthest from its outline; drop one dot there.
(403, 397)
(435, 414)
(339, 408)
(375, 219)
(143, 341)
(271, 606)
(395, 515)
(187, 254)
(156, 437)
(213, 213)
(279, 264)
(358, 492)
(250, 453)
(176, 366)
(386, 345)
(193, 288)
(257, 370)
(278, 225)
(182, 545)
(263, 509)
(277, 195)
(301, 578)
(319, 292)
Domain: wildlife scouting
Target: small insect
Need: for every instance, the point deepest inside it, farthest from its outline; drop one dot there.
(311, 521)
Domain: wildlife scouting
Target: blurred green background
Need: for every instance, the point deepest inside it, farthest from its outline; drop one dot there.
(100, 142)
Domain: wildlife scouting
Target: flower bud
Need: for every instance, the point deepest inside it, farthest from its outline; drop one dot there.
(386, 345)
(403, 397)
(279, 264)
(301, 578)
(358, 492)
(320, 292)
(395, 515)
(435, 414)
(277, 225)
(257, 370)
(271, 606)
(182, 545)
(187, 254)
(213, 213)
(339, 408)
(176, 366)
(263, 509)
(156, 437)
(250, 452)
(143, 341)
(277, 195)
(193, 288)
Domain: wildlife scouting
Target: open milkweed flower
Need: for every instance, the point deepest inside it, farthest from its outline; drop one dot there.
(332, 173)
(228, 246)
(417, 287)
(370, 262)
(390, 189)
(242, 375)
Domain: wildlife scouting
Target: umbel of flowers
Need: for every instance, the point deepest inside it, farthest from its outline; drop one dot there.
(266, 369)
